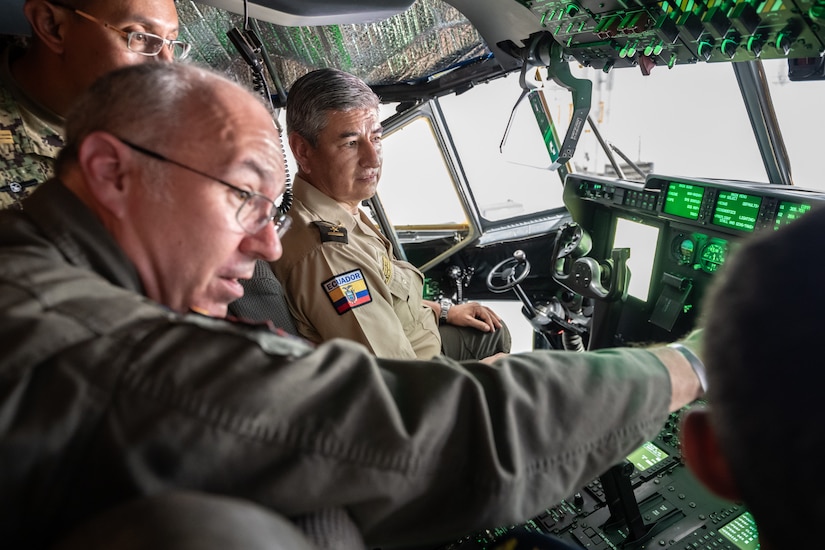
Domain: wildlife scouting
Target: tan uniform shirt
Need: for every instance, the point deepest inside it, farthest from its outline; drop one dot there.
(30, 139)
(342, 280)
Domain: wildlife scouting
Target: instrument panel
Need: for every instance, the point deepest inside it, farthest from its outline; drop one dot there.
(674, 511)
(682, 231)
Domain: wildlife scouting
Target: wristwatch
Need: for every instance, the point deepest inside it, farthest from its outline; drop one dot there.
(445, 304)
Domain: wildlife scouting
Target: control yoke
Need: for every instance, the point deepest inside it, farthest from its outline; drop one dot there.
(576, 271)
(545, 318)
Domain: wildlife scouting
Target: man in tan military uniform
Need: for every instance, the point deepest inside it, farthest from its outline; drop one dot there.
(342, 281)
(68, 50)
(339, 272)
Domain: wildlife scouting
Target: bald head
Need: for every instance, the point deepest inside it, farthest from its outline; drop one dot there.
(164, 104)
(175, 160)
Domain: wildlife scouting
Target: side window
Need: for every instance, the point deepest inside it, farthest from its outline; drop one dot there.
(421, 186)
(503, 152)
(412, 158)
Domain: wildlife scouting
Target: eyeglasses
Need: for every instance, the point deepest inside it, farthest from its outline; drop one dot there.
(143, 43)
(255, 211)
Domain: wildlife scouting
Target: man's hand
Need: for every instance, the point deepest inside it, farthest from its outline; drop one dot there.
(473, 314)
(493, 358)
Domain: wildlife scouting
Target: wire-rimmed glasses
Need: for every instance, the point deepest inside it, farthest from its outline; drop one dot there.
(255, 211)
(143, 43)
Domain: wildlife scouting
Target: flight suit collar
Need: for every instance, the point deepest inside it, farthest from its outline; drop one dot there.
(79, 234)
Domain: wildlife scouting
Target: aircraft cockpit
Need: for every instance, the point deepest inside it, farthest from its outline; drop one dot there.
(591, 166)
(586, 166)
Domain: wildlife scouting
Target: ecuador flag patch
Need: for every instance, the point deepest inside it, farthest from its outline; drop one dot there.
(347, 291)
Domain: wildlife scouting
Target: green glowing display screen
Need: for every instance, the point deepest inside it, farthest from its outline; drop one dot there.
(646, 456)
(742, 532)
(684, 200)
(736, 210)
(789, 211)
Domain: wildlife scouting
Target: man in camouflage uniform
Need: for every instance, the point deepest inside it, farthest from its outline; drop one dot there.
(30, 139)
(72, 44)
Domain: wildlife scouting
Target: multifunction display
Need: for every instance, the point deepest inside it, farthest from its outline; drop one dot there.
(736, 210)
(647, 456)
(732, 207)
(684, 200)
(742, 532)
(789, 211)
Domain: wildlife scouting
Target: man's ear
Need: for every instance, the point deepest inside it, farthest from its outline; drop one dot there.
(105, 162)
(700, 449)
(300, 150)
(48, 23)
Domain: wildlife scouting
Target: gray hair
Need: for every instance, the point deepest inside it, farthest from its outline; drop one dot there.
(147, 103)
(318, 92)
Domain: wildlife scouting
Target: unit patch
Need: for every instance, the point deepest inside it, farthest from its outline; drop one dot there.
(332, 233)
(347, 291)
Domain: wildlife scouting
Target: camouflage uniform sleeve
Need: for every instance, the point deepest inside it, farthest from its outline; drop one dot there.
(28, 147)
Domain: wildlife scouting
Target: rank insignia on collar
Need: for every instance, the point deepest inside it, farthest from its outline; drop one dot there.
(332, 233)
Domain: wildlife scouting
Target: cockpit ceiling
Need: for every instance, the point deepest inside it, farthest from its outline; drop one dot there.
(427, 39)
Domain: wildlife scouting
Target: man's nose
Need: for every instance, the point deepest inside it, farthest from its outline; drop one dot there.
(165, 53)
(264, 245)
(372, 155)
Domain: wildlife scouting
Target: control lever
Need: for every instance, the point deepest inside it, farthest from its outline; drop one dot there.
(461, 278)
(585, 275)
(624, 509)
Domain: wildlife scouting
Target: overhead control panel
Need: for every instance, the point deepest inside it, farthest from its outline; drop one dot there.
(646, 33)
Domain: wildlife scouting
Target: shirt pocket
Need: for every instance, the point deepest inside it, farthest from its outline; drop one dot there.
(407, 287)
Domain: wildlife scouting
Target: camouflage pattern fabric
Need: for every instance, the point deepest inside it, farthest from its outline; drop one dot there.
(28, 147)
